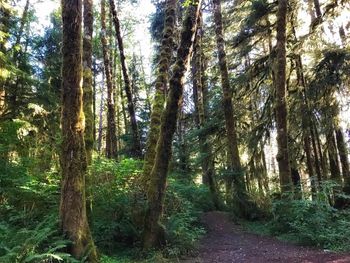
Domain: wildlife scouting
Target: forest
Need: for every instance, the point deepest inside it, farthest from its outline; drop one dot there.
(174, 131)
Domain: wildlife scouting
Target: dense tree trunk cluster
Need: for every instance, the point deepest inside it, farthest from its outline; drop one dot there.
(240, 107)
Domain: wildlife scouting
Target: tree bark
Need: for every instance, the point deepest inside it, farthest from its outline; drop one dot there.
(73, 219)
(280, 101)
(305, 118)
(153, 235)
(166, 51)
(87, 79)
(100, 119)
(316, 153)
(131, 107)
(333, 156)
(111, 139)
(343, 155)
(200, 96)
(237, 175)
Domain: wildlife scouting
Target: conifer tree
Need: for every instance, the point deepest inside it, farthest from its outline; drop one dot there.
(73, 219)
(87, 78)
(280, 101)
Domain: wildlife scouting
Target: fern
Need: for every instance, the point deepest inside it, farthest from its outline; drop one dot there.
(33, 245)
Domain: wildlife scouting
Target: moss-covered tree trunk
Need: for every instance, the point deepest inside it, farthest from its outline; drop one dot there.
(236, 179)
(200, 97)
(73, 218)
(136, 150)
(153, 235)
(111, 136)
(161, 84)
(280, 98)
(87, 79)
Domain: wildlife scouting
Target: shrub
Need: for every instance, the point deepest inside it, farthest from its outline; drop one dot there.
(312, 222)
(115, 198)
(119, 204)
(183, 205)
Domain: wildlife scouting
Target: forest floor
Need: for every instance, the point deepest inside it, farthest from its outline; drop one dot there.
(227, 242)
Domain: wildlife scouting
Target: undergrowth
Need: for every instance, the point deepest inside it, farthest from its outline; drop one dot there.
(29, 228)
(311, 222)
(117, 208)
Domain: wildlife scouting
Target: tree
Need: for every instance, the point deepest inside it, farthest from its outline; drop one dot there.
(161, 85)
(280, 100)
(127, 84)
(200, 96)
(153, 235)
(5, 12)
(87, 79)
(237, 176)
(111, 137)
(73, 217)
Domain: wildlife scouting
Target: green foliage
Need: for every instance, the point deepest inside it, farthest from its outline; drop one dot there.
(25, 199)
(118, 208)
(40, 244)
(116, 198)
(309, 222)
(312, 223)
(184, 204)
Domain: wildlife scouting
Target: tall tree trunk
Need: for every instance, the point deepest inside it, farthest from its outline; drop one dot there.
(344, 160)
(237, 175)
(131, 107)
(166, 51)
(153, 235)
(280, 101)
(87, 79)
(200, 96)
(5, 12)
(333, 156)
(316, 154)
(100, 119)
(94, 101)
(183, 153)
(334, 166)
(111, 139)
(264, 168)
(73, 217)
(322, 156)
(305, 116)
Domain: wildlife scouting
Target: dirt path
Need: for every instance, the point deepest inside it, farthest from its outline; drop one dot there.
(226, 242)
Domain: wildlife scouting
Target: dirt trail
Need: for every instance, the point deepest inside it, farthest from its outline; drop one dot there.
(227, 242)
